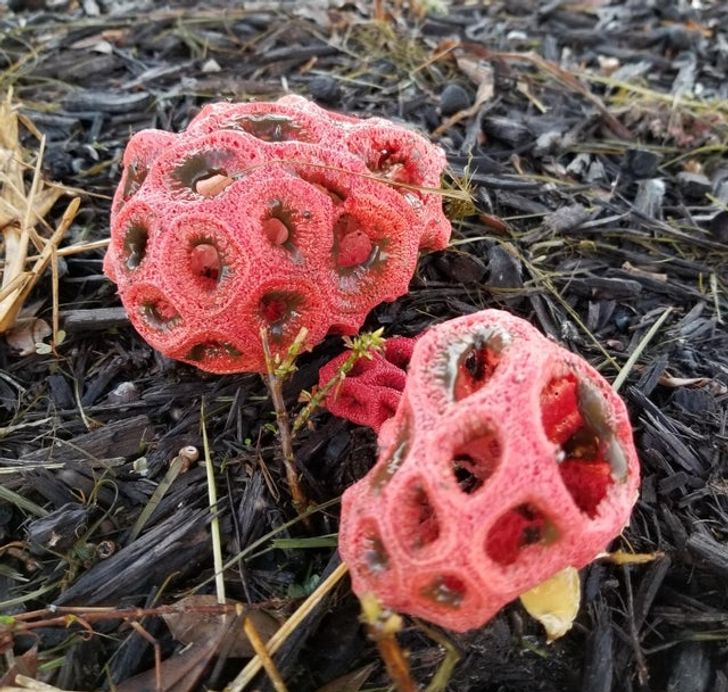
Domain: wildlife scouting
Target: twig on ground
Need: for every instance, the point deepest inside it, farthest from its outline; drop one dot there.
(383, 625)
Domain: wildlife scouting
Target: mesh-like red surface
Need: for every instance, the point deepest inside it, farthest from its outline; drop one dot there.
(280, 215)
(508, 459)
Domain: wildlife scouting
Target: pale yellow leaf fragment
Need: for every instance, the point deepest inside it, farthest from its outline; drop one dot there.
(621, 557)
(22, 682)
(555, 602)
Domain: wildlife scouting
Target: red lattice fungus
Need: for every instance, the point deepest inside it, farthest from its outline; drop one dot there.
(370, 393)
(508, 459)
(278, 215)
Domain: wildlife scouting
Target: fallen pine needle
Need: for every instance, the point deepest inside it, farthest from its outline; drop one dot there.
(262, 653)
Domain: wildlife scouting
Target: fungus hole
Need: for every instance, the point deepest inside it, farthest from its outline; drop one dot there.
(389, 162)
(135, 175)
(353, 248)
(205, 264)
(213, 184)
(275, 230)
(587, 482)
(212, 350)
(373, 553)
(476, 366)
(418, 524)
(204, 172)
(573, 418)
(274, 307)
(447, 590)
(159, 313)
(392, 459)
(271, 128)
(135, 244)
(515, 530)
(474, 462)
(278, 224)
(277, 308)
(560, 413)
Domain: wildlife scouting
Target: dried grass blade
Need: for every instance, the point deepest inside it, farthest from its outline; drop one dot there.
(246, 675)
(12, 304)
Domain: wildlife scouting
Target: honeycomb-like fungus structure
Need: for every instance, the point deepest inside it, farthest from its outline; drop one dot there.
(371, 391)
(508, 459)
(279, 215)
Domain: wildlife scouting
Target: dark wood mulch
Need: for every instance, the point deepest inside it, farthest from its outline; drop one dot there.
(600, 189)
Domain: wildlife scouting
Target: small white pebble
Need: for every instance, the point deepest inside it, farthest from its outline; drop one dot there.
(124, 393)
(141, 466)
(211, 66)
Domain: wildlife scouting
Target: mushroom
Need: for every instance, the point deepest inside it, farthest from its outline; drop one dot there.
(269, 215)
(508, 460)
(370, 393)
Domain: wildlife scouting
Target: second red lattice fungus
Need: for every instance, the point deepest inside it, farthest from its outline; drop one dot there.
(370, 393)
(278, 215)
(508, 459)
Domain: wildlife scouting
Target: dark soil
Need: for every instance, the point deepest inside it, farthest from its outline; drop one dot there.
(596, 158)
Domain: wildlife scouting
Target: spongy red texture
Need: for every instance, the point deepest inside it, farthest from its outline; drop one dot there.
(370, 393)
(281, 215)
(508, 459)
